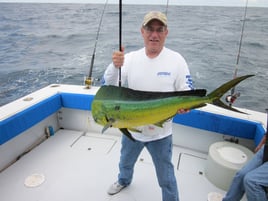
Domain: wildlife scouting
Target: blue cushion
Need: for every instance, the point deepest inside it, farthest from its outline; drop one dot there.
(76, 101)
(25, 119)
(221, 124)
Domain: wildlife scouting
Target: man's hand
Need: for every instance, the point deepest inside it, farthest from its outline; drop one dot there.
(183, 111)
(118, 58)
(262, 142)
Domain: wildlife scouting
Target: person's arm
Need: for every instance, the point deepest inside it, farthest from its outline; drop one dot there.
(262, 142)
(184, 82)
(110, 76)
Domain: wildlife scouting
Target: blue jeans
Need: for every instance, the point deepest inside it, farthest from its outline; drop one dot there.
(161, 152)
(251, 179)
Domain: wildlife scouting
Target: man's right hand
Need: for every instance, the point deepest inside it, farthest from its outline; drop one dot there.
(118, 58)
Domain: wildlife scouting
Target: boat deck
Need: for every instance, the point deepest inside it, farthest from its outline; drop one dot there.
(81, 166)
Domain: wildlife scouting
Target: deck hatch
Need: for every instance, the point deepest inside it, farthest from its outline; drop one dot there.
(191, 163)
(96, 144)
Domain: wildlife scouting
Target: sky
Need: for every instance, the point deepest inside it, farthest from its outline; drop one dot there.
(251, 3)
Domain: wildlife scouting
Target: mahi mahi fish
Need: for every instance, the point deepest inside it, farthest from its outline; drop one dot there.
(125, 108)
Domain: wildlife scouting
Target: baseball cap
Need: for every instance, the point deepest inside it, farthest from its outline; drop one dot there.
(155, 15)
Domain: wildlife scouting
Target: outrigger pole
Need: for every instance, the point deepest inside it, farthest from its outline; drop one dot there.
(231, 98)
(89, 79)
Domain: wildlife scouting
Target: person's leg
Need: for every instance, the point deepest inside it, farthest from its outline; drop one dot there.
(130, 151)
(161, 152)
(255, 183)
(237, 189)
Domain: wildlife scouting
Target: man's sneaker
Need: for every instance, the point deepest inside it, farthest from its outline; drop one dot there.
(115, 188)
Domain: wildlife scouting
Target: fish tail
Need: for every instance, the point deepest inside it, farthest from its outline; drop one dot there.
(219, 92)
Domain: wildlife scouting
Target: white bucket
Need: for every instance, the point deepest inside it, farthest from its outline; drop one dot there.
(224, 160)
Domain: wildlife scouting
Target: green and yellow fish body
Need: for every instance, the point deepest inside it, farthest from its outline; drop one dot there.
(130, 114)
(125, 108)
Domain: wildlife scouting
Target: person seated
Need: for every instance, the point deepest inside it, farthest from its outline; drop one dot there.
(252, 179)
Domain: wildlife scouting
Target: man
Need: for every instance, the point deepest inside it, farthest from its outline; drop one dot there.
(152, 68)
(252, 179)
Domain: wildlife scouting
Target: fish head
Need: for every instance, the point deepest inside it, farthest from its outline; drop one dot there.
(99, 113)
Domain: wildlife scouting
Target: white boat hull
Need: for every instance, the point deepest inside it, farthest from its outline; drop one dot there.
(79, 163)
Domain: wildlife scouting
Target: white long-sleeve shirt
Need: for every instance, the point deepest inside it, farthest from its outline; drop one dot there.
(166, 72)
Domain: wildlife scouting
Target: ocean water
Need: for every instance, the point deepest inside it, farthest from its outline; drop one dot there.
(41, 44)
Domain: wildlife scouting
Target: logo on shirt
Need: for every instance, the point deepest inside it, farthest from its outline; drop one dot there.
(163, 74)
(189, 81)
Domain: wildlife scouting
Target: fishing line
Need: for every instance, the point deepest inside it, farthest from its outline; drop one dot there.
(231, 98)
(89, 80)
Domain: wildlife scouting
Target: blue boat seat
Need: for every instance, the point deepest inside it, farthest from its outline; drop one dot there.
(25, 119)
(222, 124)
(16, 124)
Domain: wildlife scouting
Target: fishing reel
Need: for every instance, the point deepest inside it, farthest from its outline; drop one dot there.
(88, 82)
(231, 98)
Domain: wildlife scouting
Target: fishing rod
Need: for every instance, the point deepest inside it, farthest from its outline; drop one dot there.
(120, 38)
(231, 98)
(120, 34)
(167, 7)
(88, 80)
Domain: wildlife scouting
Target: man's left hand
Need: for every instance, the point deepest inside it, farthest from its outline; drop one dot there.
(183, 111)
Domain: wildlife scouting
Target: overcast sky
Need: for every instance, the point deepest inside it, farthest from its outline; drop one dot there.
(257, 3)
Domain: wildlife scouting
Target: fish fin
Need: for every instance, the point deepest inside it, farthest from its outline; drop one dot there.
(221, 104)
(105, 128)
(220, 91)
(127, 133)
(109, 92)
(135, 130)
(198, 106)
(160, 123)
(108, 125)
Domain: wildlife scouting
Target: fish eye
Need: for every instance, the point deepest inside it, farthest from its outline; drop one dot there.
(117, 107)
